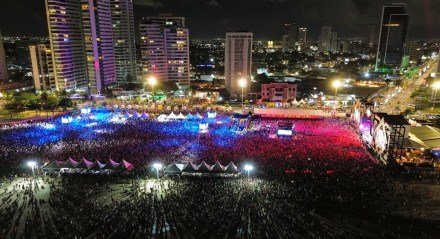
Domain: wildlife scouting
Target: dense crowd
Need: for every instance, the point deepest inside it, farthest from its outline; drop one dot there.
(319, 183)
(316, 145)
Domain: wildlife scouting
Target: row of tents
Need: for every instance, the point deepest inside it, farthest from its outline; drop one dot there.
(84, 164)
(191, 168)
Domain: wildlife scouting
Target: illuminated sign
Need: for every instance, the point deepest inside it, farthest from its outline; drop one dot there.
(284, 132)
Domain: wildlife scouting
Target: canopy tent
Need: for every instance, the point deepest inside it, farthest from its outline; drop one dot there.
(204, 168)
(136, 115)
(190, 168)
(217, 168)
(144, 115)
(112, 165)
(295, 102)
(97, 166)
(125, 166)
(127, 115)
(172, 116)
(181, 116)
(173, 169)
(198, 116)
(84, 164)
(162, 118)
(56, 164)
(231, 168)
(190, 117)
(212, 115)
(70, 163)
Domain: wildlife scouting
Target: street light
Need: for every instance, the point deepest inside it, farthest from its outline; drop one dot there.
(435, 86)
(152, 81)
(157, 166)
(242, 82)
(32, 165)
(248, 168)
(336, 85)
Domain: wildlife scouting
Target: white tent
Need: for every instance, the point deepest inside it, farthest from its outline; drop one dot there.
(172, 116)
(302, 101)
(295, 102)
(204, 168)
(181, 116)
(231, 168)
(212, 115)
(218, 168)
(190, 168)
(173, 169)
(162, 118)
(203, 128)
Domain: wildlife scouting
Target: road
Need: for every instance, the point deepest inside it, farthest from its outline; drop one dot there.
(396, 99)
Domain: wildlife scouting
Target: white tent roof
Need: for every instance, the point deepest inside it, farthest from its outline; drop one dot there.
(172, 116)
(181, 116)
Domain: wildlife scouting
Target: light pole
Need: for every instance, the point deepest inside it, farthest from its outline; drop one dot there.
(242, 82)
(336, 85)
(32, 165)
(157, 166)
(435, 86)
(152, 81)
(248, 168)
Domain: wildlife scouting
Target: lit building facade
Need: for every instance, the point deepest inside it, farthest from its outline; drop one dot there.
(325, 43)
(66, 42)
(392, 37)
(290, 36)
(302, 35)
(165, 49)
(278, 92)
(42, 67)
(98, 42)
(124, 40)
(238, 59)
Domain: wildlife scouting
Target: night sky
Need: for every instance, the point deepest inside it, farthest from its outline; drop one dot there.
(211, 18)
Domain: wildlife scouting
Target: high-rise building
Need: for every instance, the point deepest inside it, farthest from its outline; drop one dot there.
(238, 59)
(412, 50)
(326, 38)
(290, 36)
(124, 40)
(42, 67)
(370, 35)
(3, 67)
(98, 43)
(334, 42)
(302, 35)
(392, 37)
(67, 44)
(165, 48)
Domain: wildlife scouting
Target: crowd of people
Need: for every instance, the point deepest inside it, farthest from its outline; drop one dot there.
(319, 183)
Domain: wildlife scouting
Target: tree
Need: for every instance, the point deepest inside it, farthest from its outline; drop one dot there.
(15, 104)
(64, 101)
(50, 102)
(168, 86)
(33, 102)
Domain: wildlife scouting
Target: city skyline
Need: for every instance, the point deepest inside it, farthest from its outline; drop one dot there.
(348, 17)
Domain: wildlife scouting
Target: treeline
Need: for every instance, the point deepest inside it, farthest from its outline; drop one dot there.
(19, 102)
